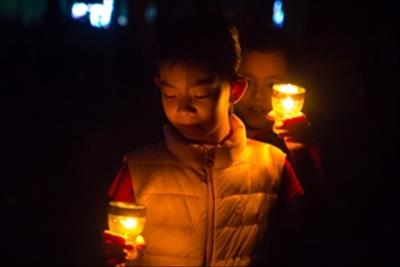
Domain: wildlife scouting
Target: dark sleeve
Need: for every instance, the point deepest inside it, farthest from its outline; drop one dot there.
(312, 211)
(284, 225)
(290, 189)
(307, 164)
(121, 188)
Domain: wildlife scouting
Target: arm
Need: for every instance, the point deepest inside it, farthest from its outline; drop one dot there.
(303, 154)
(121, 188)
(115, 248)
(302, 217)
(284, 226)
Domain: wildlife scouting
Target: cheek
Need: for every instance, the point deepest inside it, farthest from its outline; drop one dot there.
(209, 112)
(247, 97)
(205, 110)
(168, 108)
(245, 101)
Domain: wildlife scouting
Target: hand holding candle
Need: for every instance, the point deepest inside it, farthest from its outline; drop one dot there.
(290, 123)
(295, 132)
(126, 222)
(126, 219)
(115, 248)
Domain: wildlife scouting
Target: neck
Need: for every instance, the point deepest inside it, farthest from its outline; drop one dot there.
(252, 133)
(219, 136)
(258, 133)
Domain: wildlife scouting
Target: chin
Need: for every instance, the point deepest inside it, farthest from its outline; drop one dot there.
(191, 133)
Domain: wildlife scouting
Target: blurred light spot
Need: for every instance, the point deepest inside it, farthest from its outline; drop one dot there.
(109, 3)
(79, 10)
(278, 15)
(151, 13)
(99, 14)
(122, 20)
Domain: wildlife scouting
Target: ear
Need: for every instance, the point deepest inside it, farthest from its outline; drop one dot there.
(238, 88)
(156, 81)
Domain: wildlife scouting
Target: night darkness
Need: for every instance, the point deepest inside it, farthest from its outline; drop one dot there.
(75, 98)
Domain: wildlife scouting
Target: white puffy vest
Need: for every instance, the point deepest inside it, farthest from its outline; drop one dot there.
(206, 205)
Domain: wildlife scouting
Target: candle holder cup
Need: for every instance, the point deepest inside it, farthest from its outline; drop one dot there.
(287, 101)
(128, 220)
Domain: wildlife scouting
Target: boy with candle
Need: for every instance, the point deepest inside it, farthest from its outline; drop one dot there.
(268, 58)
(208, 190)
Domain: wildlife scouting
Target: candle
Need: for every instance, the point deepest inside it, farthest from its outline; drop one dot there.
(126, 219)
(287, 101)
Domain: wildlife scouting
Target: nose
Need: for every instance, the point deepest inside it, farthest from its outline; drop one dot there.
(260, 93)
(185, 105)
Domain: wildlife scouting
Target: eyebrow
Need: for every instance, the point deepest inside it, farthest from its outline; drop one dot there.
(205, 81)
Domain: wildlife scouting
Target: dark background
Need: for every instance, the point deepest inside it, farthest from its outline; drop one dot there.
(75, 98)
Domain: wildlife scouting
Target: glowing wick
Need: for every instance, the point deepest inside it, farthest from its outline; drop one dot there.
(130, 223)
(288, 104)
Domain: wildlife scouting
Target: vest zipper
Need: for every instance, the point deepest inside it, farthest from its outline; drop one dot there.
(209, 162)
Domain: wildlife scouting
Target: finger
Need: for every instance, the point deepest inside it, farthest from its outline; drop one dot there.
(113, 262)
(129, 246)
(293, 145)
(299, 131)
(278, 124)
(113, 238)
(112, 257)
(140, 242)
(270, 116)
(113, 251)
(295, 120)
(289, 138)
(108, 233)
(282, 135)
(279, 130)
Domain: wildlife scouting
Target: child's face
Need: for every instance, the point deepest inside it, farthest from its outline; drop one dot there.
(262, 70)
(195, 102)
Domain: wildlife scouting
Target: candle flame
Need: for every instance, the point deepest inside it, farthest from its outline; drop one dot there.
(289, 88)
(129, 223)
(288, 103)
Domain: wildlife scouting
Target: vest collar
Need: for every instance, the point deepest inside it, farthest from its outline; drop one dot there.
(216, 156)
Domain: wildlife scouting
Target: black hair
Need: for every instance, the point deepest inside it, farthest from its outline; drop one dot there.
(207, 41)
(265, 38)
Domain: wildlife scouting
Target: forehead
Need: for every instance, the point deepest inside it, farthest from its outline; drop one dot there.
(273, 63)
(184, 73)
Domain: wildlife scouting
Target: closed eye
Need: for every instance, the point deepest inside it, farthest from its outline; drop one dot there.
(202, 96)
(168, 96)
